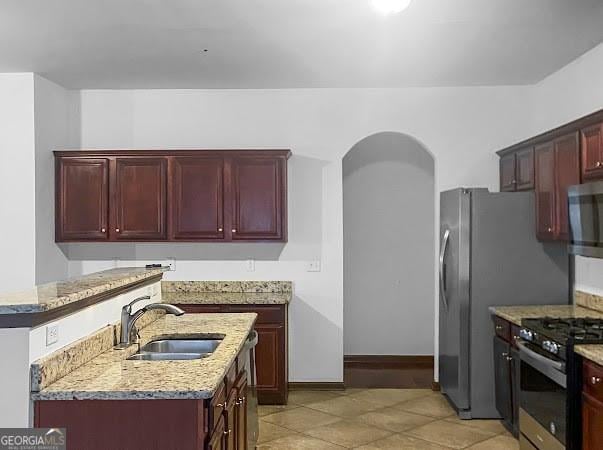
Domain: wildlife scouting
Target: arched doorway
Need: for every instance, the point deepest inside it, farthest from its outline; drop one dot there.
(389, 239)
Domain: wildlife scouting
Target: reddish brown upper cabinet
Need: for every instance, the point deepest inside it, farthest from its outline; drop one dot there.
(517, 170)
(557, 167)
(592, 152)
(139, 204)
(82, 199)
(258, 198)
(178, 195)
(197, 198)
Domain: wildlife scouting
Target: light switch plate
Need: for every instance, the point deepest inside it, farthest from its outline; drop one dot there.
(52, 334)
(250, 265)
(313, 266)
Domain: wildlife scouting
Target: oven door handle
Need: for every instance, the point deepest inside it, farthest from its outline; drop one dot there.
(553, 369)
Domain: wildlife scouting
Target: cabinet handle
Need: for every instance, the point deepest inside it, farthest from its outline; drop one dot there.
(509, 358)
(219, 229)
(595, 380)
(103, 230)
(504, 354)
(514, 182)
(220, 405)
(227, 432)
(234, 230)
(240, 401)
(498, 327)
(117, 230)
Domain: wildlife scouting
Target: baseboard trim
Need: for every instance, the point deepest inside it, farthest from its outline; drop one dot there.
(318, 386)
(435, 386)
(401, 361)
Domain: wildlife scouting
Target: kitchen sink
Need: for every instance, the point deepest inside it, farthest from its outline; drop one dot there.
(164, 356)
(176, 349)
(203, 346)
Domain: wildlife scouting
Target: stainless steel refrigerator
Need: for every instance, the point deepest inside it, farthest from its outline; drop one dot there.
(489, 256)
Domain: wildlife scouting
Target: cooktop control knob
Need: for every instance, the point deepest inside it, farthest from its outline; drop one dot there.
(551, 346)
(526, 334)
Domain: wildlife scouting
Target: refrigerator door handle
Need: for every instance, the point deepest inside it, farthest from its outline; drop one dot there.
(443, 248)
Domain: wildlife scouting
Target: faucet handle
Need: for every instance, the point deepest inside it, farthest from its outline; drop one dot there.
(128, 307)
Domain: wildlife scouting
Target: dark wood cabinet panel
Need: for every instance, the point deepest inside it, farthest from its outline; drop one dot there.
(140, 198)
(524, 169)
(567, 173)
(502, 380)
(592, 423)
(258, 198)
(507, 173)
(82, 197)
(545, 191)
(271, 352)
(180, 195)
(592, 152)
(197, 198)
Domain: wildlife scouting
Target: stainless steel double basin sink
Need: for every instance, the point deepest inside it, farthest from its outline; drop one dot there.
(176, 349)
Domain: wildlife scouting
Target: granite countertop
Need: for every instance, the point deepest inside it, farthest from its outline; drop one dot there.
(227, 298)
(53, 295)
(592, 352)
(515, 314)
(110, 376)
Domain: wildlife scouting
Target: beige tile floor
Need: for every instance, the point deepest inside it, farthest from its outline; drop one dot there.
(372, 419)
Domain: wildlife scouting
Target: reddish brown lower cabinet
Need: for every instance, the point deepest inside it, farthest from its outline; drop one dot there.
(178, 195)
(592, 407)
(219, 423)
(271, 353)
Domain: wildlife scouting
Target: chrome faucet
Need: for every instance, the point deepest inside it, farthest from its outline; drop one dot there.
(128, 319)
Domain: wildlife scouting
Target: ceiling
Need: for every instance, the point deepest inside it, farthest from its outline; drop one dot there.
(293, 43)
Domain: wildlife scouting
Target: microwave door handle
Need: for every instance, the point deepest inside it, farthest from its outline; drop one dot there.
(442, 268)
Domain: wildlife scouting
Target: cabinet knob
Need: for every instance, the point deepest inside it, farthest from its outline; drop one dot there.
(240, 401)
(234, 230)
(595, 380)
(498, 327)
(549, 229)
(103, 230)
(220, 405)
(227, 432)
(504, 354)
(219, 229)
(117, 230)
(509, 358)
(598, 164)
(514, 182)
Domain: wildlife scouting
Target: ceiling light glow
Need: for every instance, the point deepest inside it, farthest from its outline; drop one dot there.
(386, 7)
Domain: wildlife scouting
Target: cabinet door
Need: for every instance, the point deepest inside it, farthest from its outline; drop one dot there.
(270, 363)
(197, 197)
(502, 380)
(140, 199)
(230, 416)
(82, 196)
(507, 172)
(524, 169)
(258, 198)
(241, 412)
(567, 170)
(592, 423)
(545, 191)
(217, 438)
(592, 152)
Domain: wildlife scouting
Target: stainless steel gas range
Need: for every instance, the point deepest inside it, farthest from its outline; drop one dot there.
(550, 381)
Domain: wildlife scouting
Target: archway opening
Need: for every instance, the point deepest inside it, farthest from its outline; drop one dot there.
(389, 239)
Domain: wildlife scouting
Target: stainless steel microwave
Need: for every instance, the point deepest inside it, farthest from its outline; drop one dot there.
(586, 219)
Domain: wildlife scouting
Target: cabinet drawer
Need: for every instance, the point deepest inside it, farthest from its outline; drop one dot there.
(216, 407)
(502, 328)
(266, 314)
(593, 380)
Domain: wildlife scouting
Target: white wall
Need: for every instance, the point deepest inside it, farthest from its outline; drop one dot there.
(54, 120)
(460, 126)
(388, 235)
(17, 181)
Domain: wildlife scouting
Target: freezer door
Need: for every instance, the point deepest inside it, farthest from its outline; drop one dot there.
(455, 233)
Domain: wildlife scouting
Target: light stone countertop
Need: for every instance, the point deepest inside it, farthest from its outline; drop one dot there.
(592, 352)
(110, 376)
(53, 295)
(515, 314)
(227, 298)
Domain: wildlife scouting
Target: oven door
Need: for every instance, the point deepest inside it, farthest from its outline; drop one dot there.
(543, 398)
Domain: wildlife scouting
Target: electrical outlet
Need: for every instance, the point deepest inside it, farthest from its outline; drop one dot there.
(52, 334)
(171, 263)
(250, 265)
(313, 266)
